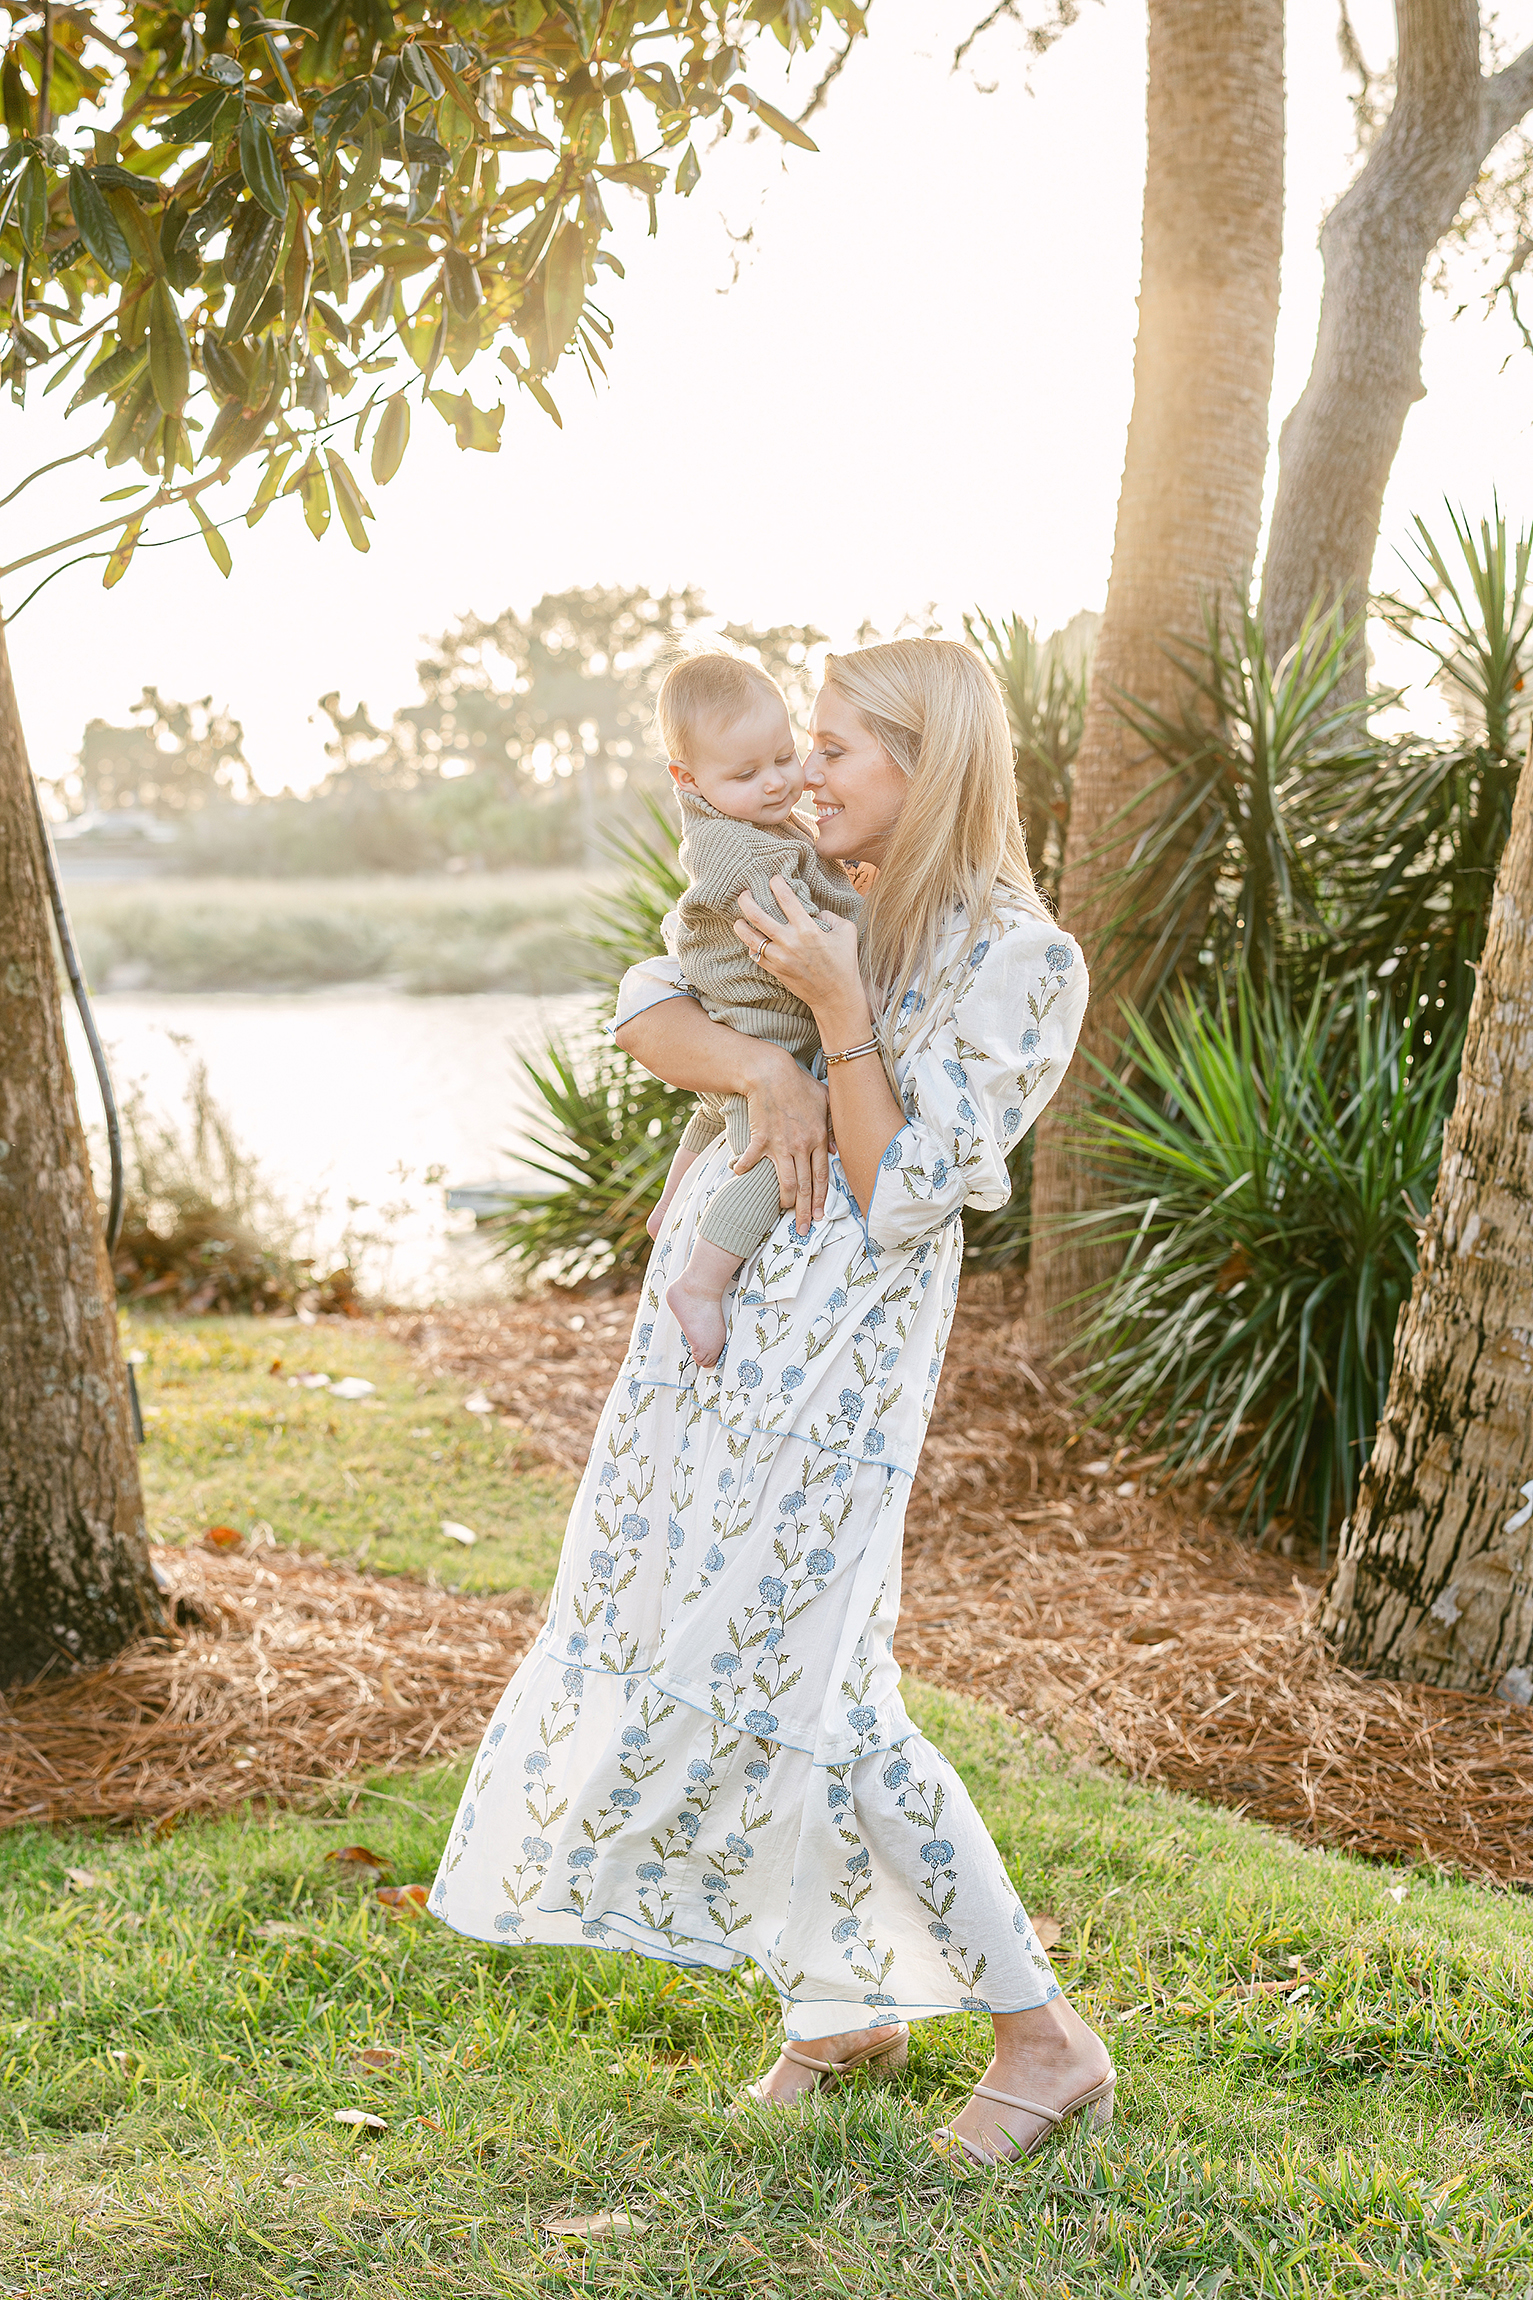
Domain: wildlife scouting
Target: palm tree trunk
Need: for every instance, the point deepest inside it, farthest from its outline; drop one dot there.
(1435, 1579)
(75, 1583)
(1190, 506)
(1339, 443)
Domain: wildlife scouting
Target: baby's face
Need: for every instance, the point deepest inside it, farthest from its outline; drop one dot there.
(747, 767)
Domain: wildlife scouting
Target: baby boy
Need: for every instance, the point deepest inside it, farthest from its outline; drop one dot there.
(736, 768)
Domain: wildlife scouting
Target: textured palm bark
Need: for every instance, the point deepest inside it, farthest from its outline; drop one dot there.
(1190, 506)
(1435, 1580)
(75, 1584)
(1339, 443)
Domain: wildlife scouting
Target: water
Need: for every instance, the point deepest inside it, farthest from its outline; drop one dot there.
(353, 1098)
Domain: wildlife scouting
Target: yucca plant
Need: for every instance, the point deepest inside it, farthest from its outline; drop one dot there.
(612, 1128)
(1268, 1165)
(1046, 704)
(611, 1134)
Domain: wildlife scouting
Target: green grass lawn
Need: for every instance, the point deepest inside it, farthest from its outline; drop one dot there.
(179, 2026)
(230, 1441)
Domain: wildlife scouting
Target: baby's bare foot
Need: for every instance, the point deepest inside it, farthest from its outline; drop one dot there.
(700, 1315)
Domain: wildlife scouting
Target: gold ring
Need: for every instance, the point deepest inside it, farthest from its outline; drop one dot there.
(764, 941)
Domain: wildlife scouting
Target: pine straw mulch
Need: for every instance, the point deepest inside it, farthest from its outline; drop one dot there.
(286, 1674)
(1122, 1623)
(1126, 1625)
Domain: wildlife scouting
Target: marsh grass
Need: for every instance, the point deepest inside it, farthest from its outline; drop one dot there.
(507, 930)
(230, 1441)
(178, 2035)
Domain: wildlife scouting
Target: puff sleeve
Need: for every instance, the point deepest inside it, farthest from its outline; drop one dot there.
(649, 983)
(1006, 1020)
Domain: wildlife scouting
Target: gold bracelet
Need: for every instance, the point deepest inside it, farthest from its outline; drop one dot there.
(852, 1053)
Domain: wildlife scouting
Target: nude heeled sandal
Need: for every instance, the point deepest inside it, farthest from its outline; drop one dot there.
(1098, 2103)
(893, 2051)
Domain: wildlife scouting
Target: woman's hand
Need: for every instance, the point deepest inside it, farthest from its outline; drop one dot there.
(675, 1041)
(815, 958)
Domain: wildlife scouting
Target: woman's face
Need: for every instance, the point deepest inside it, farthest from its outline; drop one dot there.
(856, 788)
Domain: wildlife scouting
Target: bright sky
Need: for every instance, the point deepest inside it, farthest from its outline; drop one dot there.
(915, 389)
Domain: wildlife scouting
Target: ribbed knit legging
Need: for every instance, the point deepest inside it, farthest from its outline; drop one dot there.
(742, 1214)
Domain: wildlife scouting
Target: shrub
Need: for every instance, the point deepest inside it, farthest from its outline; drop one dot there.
(1269, 1167)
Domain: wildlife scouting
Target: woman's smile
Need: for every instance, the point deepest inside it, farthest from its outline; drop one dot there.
(854, 786)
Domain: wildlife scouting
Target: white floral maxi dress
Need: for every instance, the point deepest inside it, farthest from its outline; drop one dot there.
(705, 1756)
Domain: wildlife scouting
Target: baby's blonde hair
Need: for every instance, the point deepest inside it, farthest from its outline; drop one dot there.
(937, 709)
(705, 686)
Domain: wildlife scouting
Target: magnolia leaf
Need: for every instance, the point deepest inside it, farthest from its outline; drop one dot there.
(170, 362)
(452, 1531)
(97, 225)
(1047, 1930)
(392, 438)
(218, 549)
(81, 1880)
(581, 2227)
(261, 167)
(359, 1857)
(383, 2059)
(402, 1900)
(363, 2118)
(564, 287)
(315, 490)
(117, 564)
(689, 175)
(770, 117)
(271, 480)
(353, 508)
(475, 426)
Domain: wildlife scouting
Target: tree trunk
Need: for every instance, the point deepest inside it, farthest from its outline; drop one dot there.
(1190, 506)
(1435, 1579)
(1339, 443)
(75, 1583)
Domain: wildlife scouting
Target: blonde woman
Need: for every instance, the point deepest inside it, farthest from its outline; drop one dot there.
(705, 1756)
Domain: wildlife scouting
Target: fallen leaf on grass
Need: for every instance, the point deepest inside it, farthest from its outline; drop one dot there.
(363, 2117)
(478, 1404)
(81, 1880)
(584, 2225)
(126, 2061)
(1397, 1892)
(380, 2056)
(308, 1381)
(454, 1532)
(352, 1387)
(1048, 1931)
(402, 1900)
(223, 1537)
(354, 1857)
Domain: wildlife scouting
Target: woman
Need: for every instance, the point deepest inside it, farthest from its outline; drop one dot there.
(705, 1756)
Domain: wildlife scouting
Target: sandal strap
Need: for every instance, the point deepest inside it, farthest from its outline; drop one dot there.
(873, 2049)
(822, 2067)
(1014, 2100)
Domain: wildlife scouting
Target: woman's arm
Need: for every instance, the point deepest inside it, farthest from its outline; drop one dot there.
(676, 1041)
(817, 960)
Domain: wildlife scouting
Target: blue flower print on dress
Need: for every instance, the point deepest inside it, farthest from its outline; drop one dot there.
(897, 1774)
(689, 1822)
(911, 1003)
(634, 1527)
(1031, 1040)
(863, 1718)
(757, 1770)
(537, 1848)
(773, 1591)
(977, 954)
(760, 1721)
(792, 1376)
(508, 1921)
(603, 1564)
(938, 1853)
(495, 1736)
(699, 1770)
(1060, 957)
(1011, 1120)
(772, 1640)
(536, 1760)
(1020, 1923)
(574, 1681)
(792, 1503)
(820, 1562)
(838, 1795)
(892, 1156)
(583, 1857)
(608, 1473)
(847, 1929)
(858, 1861)
(957, 1073)
(650, 1872)
(466, 1818)
(735, 1843)
(874, 1441)
(851, 1403)
(726, 1663)
(748, 1372)
(635, 1737)
(940, 1932)
(576, 1642)
(675, 1534)
(714, 1561)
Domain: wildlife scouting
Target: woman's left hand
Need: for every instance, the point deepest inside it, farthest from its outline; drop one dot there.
(815, 958)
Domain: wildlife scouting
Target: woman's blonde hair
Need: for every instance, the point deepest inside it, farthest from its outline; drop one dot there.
(937, 710)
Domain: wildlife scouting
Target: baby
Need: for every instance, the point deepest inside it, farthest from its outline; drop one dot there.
(733, 759)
